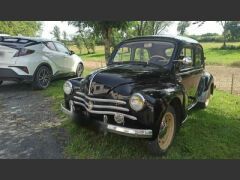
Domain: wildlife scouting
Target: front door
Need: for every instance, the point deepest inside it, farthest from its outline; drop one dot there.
(190, 75)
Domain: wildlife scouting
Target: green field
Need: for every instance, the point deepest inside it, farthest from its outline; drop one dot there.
(214, 55)
(212, 133)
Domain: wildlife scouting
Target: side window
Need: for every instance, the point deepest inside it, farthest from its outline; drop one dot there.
(198, 57)
(50, 45)
(186, 52)
(61, 48)
(141, 54)
(123, 54)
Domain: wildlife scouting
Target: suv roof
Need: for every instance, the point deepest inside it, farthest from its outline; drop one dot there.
(176, 38)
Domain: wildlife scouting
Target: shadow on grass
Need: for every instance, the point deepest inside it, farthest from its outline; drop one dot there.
(206, 135)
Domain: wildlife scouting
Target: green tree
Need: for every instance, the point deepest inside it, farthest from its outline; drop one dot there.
(24, 28)
(182, 26)
(56, 33)
(150, 27)
(104, 29)
(78, 42)
(233, 30)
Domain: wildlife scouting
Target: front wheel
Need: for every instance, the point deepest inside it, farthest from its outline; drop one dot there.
(1, 82)
(42, 78)
(80, 70)
(166, 134)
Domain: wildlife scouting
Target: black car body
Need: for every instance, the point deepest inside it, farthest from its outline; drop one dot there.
(170, 71)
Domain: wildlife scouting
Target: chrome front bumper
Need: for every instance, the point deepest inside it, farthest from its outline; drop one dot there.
(130, 132)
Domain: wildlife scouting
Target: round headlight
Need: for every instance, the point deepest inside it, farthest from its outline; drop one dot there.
(137, 102)
(67, 87)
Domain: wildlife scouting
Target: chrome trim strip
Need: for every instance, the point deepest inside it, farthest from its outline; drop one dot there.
(101, 100)
(102, 106)
(66, 111)
(90, 83)
(104, 112)
(140, 133)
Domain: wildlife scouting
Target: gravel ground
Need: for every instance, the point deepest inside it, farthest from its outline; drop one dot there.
(28, 127)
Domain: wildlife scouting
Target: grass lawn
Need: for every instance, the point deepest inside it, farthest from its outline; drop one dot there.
(212, 133)
(214, 55)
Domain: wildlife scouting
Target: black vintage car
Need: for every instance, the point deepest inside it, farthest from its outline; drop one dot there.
(145, 91)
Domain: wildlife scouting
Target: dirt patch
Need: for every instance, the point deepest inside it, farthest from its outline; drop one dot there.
(226, 78)
(28, 127)
(94, 64)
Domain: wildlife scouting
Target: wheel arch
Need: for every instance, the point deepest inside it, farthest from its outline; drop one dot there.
(40, 65)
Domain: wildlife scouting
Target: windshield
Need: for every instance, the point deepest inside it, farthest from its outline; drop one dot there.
(154, 52)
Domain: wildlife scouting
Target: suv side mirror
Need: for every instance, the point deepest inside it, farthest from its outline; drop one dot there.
(71, 52)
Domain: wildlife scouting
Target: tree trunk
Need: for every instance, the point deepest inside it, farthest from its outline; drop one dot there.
(107, 43)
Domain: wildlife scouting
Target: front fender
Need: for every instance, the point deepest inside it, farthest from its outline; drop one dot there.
(160, 100)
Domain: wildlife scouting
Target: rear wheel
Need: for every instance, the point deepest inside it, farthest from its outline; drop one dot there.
(166, 134)
(1, 82)
(80, 70)
(203, 105)
(42, 78)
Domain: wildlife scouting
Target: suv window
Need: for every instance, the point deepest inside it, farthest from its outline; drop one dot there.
(60, 47)
(186, 52)
(50, 45)
(198, 57)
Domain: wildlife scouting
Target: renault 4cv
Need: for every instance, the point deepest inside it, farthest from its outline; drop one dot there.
(146, 90)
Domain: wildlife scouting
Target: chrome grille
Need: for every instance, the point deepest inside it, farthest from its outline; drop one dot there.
(89, 103)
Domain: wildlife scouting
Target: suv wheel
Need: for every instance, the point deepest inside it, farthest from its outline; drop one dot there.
(1, 82)
(166, 134)
(42, 78)
(80, 69)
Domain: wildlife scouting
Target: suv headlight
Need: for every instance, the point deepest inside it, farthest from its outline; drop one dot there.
(67, 87)
(137, 102)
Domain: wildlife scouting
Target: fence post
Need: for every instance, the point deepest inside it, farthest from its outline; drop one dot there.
(232, 83)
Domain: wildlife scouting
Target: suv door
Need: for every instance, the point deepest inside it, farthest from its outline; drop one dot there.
(67, 58)
(190, 74)
(56, 57)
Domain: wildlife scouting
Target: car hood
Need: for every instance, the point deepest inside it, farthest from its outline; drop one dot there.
(106, 80)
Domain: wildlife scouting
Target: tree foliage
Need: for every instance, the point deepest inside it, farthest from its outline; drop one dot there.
(182, 26)
(56, 33)
(24, 28)
(104, 29)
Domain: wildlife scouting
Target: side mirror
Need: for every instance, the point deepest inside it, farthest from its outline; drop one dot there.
(72, 52)
(187, 61)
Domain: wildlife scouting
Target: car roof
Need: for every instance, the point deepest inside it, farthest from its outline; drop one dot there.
(170, 37)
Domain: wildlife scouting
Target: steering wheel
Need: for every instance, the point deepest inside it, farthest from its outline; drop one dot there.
(158, 56)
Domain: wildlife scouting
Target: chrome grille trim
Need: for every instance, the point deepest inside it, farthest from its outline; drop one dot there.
(104, 112)
(102, 106)
(101, 100)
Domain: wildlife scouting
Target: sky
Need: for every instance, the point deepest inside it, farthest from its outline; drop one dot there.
(207, 27)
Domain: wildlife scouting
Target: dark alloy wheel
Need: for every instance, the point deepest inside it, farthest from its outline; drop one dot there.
(80, 70)
(166, 134)
(42, 78)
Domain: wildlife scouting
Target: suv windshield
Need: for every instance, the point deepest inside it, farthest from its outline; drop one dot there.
(154, 52)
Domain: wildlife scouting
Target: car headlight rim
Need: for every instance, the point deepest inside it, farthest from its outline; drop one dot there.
(137, 107)
(67, 87)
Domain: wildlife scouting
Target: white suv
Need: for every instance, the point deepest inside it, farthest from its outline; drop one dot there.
(36, 60)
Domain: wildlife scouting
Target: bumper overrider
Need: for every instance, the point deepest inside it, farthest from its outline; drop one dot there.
(84, 101)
